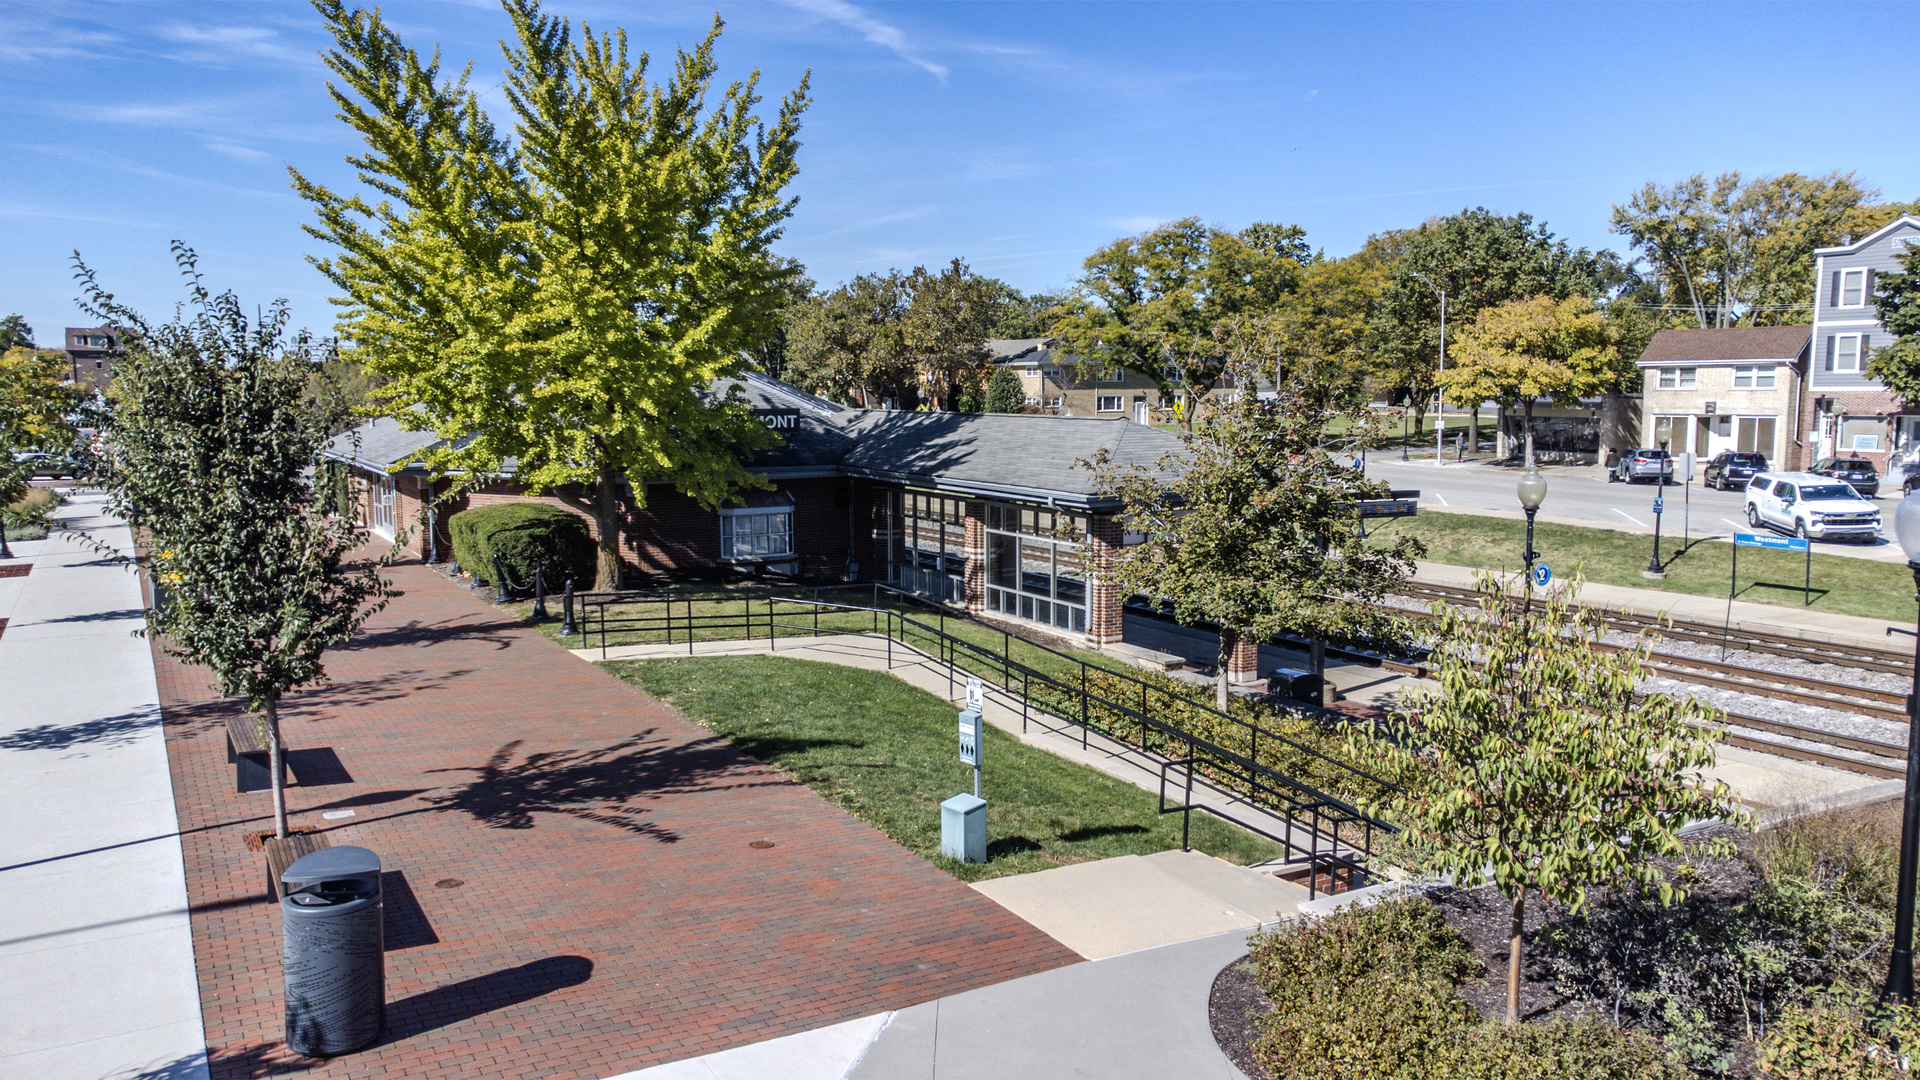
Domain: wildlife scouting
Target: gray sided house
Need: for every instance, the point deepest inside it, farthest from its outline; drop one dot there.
(988, 511)
(1848, 411)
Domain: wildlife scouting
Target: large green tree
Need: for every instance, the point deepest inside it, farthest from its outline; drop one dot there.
(563, 298)
(1896, 297)
(1534, 348)
(1537, 762)
(1482, 260)
(1736, 252)
(15, 333)
(213, 431)
(1153, 302)
(950, 316)
(1253, 524)
(36, 404)
(918, 337)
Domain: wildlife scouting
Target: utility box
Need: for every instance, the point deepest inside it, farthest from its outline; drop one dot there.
(963, 828)
(970, 738)
(333, 951)
(1295, 685)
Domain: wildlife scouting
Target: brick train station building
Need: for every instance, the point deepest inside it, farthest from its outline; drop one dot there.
(989, 511)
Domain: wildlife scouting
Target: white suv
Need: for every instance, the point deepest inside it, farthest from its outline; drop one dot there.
(1818, 507)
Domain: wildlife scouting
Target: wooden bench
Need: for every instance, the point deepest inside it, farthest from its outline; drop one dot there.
(248, 752)
(284, 853)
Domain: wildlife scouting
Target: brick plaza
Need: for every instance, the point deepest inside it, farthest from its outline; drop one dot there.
(609, 911)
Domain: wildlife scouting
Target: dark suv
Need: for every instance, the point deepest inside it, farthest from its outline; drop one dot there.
(1643, 464)
(1731, 469)
(1859, 473)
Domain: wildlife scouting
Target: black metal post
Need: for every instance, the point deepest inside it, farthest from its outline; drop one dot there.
(1530, 556)
(566, 617)
(499, 583)
(1653, 567)
(1899, 989)
(539, 595)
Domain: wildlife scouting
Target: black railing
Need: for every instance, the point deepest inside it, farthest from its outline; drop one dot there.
(1339, 836)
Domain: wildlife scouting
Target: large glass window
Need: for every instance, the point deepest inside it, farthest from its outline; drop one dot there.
(927, 544)
(1035, 567)
(755, 534)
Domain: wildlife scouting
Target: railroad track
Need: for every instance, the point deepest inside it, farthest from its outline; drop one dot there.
(1868, 756)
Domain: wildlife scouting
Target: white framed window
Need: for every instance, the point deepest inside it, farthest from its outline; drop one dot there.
(1846, 352)
(1108, 403)
(1685, 378)
(1112, 375)
(1853, 288)
(1758, 377)
(1052, 372)
(755, 532)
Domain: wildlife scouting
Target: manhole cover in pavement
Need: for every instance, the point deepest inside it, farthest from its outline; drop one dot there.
(763, 844)
(448, 883)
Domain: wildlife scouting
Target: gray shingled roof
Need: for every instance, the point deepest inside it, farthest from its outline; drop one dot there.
(383, 442)
(815, 444)
(986, 453)
(1731, 343)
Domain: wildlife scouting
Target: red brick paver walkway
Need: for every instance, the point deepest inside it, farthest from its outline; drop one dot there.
(609, 912)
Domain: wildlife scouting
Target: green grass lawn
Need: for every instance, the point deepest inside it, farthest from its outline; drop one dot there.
(886, 752)
(1840, 584)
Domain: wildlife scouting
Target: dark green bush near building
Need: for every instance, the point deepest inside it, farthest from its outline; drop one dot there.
(526, 537)
(1372, 992)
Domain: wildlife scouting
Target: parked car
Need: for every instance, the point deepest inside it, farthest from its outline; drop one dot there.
(1858, 472)
(43, 464)
(1644, 464)
(1731, 469)
(1811, 506)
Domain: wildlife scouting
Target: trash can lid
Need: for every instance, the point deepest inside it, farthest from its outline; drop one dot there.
(333, 862)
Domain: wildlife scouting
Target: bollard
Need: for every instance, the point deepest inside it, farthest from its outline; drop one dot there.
(499, 583)
(566, 613)
(539, 596)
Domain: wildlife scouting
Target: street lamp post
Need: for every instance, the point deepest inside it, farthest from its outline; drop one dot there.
(1654, 569)
(1532, 489)
(1906, 526)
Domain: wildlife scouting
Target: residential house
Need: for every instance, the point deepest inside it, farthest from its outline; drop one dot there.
(1053, 383)
(1849, 411)
(1738, 388)
(90, 352)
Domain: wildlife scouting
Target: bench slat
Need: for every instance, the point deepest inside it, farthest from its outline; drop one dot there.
(243, 732)
(284, 853)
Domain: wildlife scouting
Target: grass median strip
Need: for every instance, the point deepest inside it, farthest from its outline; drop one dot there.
(1840, 584)
(886, 752)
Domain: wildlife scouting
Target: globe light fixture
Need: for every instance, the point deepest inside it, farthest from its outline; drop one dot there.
(1532, 490)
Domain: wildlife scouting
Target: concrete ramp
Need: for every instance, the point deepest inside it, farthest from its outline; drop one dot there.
(1132, 902)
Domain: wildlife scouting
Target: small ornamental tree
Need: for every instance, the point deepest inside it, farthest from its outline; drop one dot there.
(1538, 347)
(1253, 525)
(213, 429)
(1538, 761)
(35, 402)
(1003, 391)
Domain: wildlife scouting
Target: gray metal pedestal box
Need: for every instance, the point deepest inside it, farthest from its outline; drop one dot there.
(963, 829)
(333, 948)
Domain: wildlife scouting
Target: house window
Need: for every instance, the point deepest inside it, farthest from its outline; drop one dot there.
(1112, 375)
(1034, 566)
(1678, 378)
(1754, 378)
(756, 532)
(1846, 352)
(1053, 373)
(1108, 403)
(1853, 288)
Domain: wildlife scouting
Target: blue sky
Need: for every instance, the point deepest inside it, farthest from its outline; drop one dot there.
(1019, 136)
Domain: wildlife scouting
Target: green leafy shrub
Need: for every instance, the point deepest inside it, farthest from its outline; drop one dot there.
(1372, 992)
(1841, 1035)
(526, 537)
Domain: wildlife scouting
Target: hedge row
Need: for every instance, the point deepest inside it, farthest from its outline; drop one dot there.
(527, 537)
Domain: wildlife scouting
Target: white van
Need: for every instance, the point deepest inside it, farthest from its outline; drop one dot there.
(1810, 506)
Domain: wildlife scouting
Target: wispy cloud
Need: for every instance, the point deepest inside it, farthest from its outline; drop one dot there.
(223, 45)
(1137, 223)
(887, 37)
(236, 151)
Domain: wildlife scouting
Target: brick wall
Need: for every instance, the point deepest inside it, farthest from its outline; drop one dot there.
(976, 579)
(1854, 403)
(1244, 666)
(1104, 538)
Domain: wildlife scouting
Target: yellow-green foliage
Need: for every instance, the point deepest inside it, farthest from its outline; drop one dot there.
(1842, 1036)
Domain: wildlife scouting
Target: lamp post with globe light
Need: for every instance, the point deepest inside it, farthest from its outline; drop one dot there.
(1532, 489)
(1906, 527)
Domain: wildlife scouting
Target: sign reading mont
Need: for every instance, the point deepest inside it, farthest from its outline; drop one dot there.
(779, 419)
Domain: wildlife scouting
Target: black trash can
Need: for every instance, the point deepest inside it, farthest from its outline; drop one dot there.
(333, 951)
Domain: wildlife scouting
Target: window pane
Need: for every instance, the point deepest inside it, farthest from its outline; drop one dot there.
(1743, 378)
(1070, 584)
(1036, 568)
(1847, 355)
(1763, 437)
(1853, 286)
(1686, 378)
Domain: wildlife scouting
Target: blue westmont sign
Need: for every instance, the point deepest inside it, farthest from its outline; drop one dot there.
(1768, 540)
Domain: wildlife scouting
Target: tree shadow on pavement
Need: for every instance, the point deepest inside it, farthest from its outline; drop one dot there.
(107, 731)
(599, 785)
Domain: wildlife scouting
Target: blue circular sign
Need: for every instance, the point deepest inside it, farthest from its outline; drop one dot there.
(1542, 574)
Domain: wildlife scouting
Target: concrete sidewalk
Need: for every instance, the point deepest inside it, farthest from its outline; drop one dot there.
(1137, 1016)
(96, 964)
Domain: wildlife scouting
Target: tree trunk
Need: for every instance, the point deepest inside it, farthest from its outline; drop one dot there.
(1529, 422)
(606, 519)
(277, 769)
(1473, 431)
(1513, 955)
(1229, 640)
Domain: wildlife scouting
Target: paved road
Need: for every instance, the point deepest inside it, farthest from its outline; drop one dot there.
(1582, 496)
